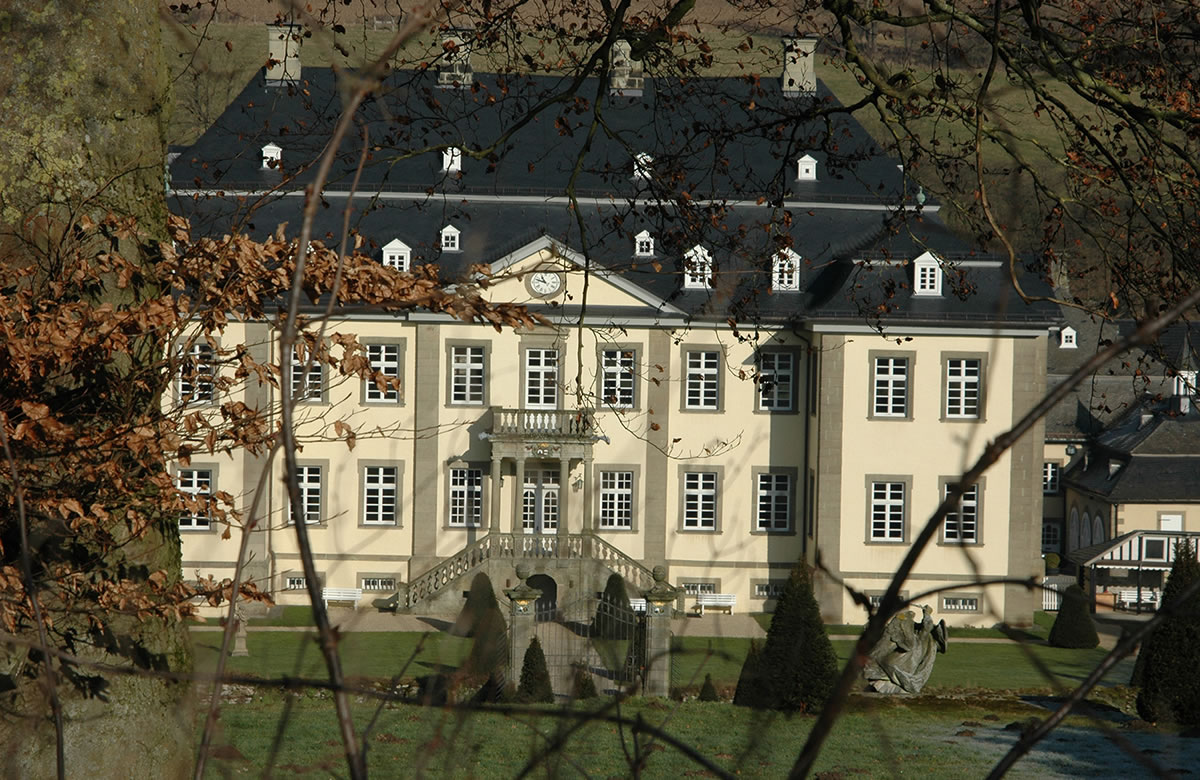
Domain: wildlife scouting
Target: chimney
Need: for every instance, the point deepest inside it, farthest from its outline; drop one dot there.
(1184, 387)
(283, 53)
(626, 76)
(799, 76)
(455, 70)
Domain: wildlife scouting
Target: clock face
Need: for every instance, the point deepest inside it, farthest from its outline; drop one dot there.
(545, 282)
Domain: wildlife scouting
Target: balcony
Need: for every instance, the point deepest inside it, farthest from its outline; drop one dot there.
(542, 433)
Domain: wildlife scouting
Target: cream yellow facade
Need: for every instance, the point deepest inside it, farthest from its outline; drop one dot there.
(725, 455)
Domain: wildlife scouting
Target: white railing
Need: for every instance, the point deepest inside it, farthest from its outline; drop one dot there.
(1054, 586)
(542, 422)
(519, 546)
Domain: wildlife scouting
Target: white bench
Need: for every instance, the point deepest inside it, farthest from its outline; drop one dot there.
(341, 594)
(1128, 597)
(639, 605)
(725, 601)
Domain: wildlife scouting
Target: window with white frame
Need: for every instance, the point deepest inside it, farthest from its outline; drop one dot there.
(466, 375)
(887, 511)
(617, 378)
(308, 377)
(452, 160)
(697, 269)
(541, 379)
(806, 168)
(692, 588)
(962, 523)
(1051, 537)
(1050, 474)
(466, 497)
(449, 238)
(616, 500)
(703, 388)
(272, 156)
(769, 590)
(953, 603)
(1068, 338)
(295, 583)
(641, 166)
(774, 502)
(963, 382)
(309, 480)
(643, 244)
(785, 271)
(196, 485)
(380, 484)
(776, 370)
(927, 275)
(378, 583)
(397, 254)
(700, 500)
(385, 367)
(196, 374)
(889, 387)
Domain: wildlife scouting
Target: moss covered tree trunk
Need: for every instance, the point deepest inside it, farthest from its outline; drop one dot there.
(84, 105)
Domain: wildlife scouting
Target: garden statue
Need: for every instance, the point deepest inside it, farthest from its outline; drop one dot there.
(903, 659)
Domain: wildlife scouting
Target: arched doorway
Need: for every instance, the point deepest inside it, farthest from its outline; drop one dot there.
(547, 604)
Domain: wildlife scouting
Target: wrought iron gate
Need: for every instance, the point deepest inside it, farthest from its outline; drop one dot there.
(592, 636)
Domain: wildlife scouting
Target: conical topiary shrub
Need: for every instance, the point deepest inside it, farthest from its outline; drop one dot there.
(708, 691)
(535, 684)
(481, 599)
(1170, 657)
(797, 668)
(749, 690)
(614, 613)
(1074, 626)
(583, 686)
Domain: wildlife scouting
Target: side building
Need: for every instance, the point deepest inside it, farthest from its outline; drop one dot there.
(795, 377)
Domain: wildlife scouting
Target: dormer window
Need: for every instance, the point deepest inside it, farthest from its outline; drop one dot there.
(1067, 338)
(272, 156)
(450, 235)
(397, 254)
(927, 275)
(785, 271)
(806, 168)
(452, 160)
(697, 269)
(641, 166)
(643, 244)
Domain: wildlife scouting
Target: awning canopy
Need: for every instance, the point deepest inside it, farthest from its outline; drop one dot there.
(1134, 550)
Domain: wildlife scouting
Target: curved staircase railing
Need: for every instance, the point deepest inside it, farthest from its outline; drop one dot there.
(519, 546)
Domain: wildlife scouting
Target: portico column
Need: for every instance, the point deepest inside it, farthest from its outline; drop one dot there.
(518, 496)
(587, 494)
(564, 491)
(494, 522)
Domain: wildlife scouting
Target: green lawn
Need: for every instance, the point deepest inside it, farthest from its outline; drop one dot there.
(374, 655)
(996, 666)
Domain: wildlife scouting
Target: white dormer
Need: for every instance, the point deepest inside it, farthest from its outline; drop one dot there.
(785, 271)
(643, 244)
(397, 254)
(697, 269)
(927, 275)
(450, 236)
(641, 166)
(272, 156)
(806, 168)
(1068, 338)
(452, 160)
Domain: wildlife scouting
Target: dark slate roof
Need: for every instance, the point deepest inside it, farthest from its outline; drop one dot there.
(1122, 383)
(704, 138)
(1150, 455)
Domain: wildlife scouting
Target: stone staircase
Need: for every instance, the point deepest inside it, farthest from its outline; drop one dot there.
(498, 552)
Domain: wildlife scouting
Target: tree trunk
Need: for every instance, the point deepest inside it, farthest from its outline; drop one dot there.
(84, 100)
